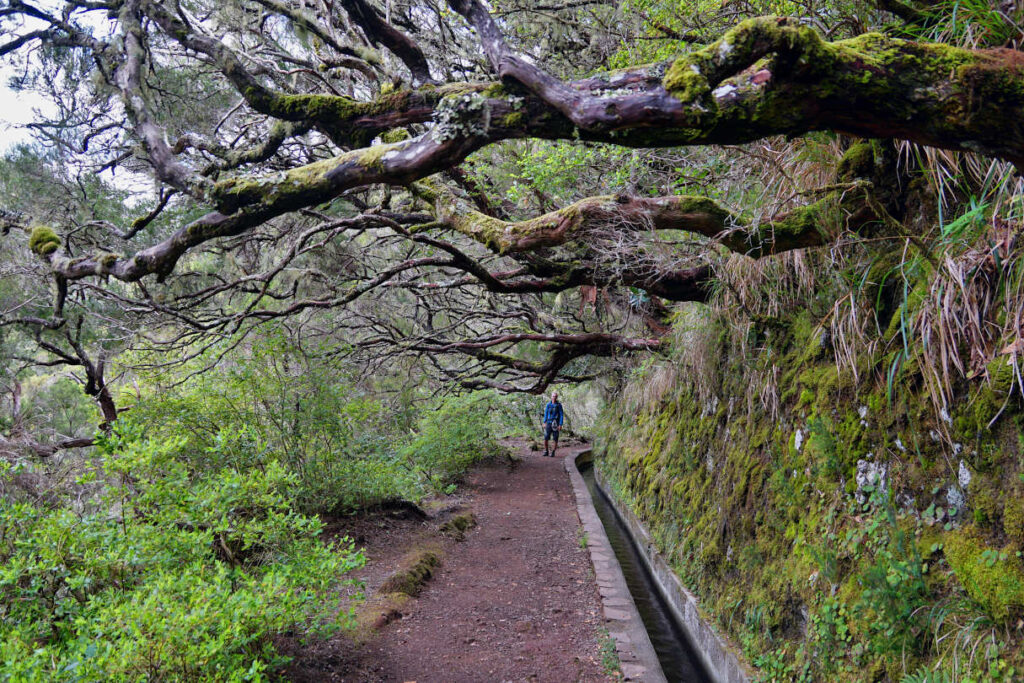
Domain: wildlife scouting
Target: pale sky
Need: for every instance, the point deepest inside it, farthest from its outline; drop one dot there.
(16, 110)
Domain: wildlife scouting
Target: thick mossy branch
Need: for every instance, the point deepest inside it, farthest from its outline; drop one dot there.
(350, 122)
(594, 217)
(773, 75)
(766, 76)
(295, 188)
(347, 121)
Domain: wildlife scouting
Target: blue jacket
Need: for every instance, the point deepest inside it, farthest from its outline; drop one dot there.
(553, 413)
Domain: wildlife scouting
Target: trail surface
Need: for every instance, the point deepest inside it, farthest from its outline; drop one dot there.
(515, 601)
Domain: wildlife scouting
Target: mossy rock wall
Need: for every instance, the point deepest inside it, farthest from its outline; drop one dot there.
(830, 520)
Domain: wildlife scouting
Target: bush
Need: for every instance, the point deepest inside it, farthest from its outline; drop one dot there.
(181, 574)
(452, 436)
(275, 403)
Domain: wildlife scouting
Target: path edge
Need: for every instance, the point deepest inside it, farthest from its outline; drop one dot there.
(637, 659)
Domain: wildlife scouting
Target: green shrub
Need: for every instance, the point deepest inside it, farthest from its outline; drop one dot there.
(179, 575)
(451, 437)
(275, 403)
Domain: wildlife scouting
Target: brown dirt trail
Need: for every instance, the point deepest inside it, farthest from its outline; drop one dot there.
(515, 601)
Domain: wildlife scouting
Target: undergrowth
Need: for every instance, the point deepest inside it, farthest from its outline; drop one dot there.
(174, 575)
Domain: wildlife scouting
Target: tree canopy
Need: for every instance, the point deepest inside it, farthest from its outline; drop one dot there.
(421, 178)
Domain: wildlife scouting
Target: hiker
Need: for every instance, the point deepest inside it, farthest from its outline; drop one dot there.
(552, 422)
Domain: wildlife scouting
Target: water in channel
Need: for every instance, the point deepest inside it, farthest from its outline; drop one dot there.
(679, 661)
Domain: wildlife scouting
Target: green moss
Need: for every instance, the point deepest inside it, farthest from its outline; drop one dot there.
(494, 90)
(43, 241)
(1001, 375)
(513, 119)
(298, 187)
(1013, 519)
(104, 261)
(314, 107)
(985, 500)
(335, 114)
(395, 135)
(857, 162)
(373, 157)
(684, 81)
(418, 568)
(798, 228)
(995, 584)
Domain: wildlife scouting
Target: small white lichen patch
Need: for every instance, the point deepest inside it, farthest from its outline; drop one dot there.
(724, 91)
(724, 48)
(955, 497)
(870, 474)
(695, 69)
(963, 475)
(798, 439)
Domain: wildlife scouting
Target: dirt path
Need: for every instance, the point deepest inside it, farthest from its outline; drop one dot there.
(514, 601)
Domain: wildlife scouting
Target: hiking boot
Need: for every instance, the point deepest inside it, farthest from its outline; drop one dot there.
(545, 454)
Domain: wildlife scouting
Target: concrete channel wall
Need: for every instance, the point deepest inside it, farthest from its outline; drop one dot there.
(637, 659)
(721, 660)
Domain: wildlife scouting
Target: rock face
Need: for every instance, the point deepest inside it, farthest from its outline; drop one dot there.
(871, 478)
(813, 523)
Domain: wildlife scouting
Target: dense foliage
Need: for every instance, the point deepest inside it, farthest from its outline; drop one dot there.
(170, 573)
(191, 537)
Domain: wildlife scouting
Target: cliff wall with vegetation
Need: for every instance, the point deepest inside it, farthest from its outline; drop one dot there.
(830, 454)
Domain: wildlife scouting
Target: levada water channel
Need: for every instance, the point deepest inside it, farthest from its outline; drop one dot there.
(679, 661)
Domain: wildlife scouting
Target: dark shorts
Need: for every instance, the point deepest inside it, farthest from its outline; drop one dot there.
(550, 432)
